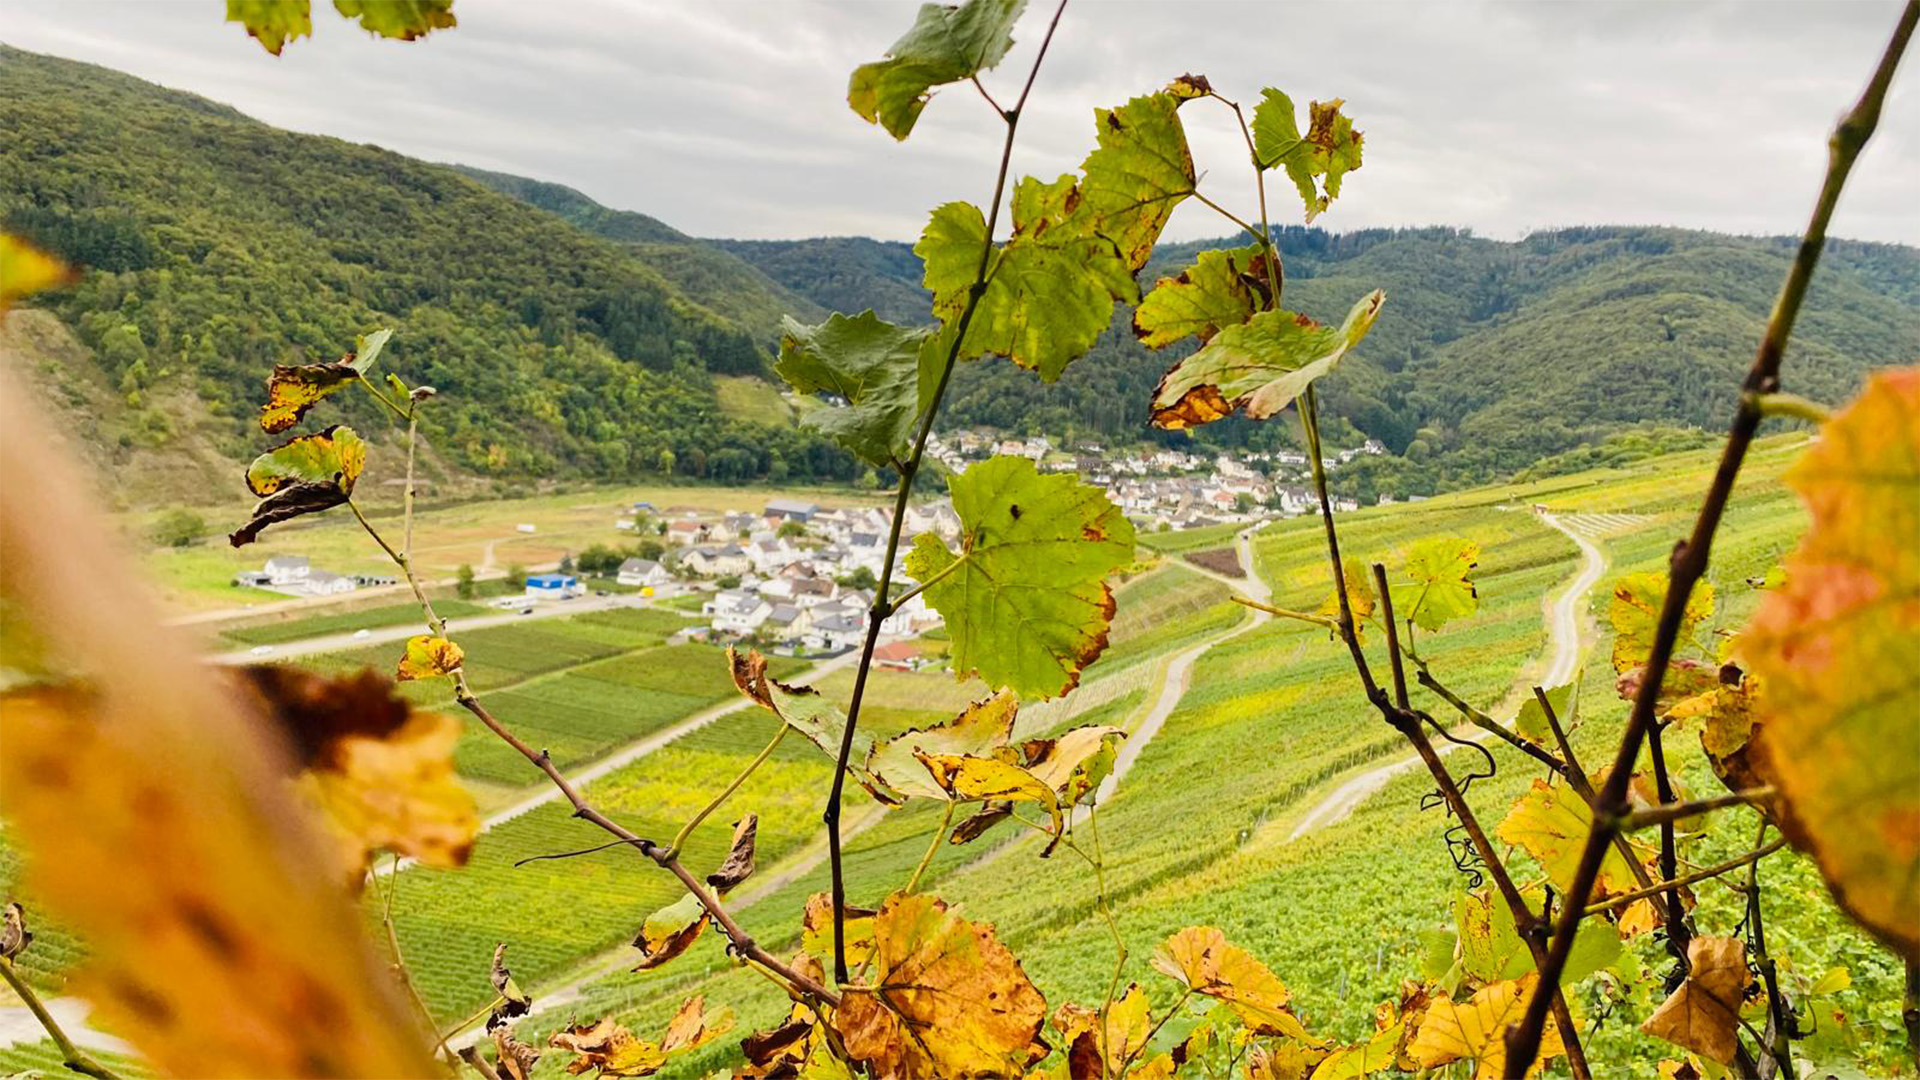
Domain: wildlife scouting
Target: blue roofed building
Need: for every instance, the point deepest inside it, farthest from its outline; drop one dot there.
(553, 587)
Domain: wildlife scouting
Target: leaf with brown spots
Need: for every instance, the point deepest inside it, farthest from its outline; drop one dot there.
(1026, 600)
(515, 1059)
(996, 779)
(978, 729)
(947, 999)
(1703, 1014)
(739, 862)
(1138, 174)
(1635, 613)
(1258, 366)
(304, 475)
(428, 656)
(1326, 153)
(381, 773)
(1477, 1028)
(514, 1002)
(292, 390)
(816, 929)
(1834, 650)
(1221, 289)
(14, 935)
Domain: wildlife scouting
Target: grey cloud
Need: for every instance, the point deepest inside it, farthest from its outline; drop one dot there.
(728, 117)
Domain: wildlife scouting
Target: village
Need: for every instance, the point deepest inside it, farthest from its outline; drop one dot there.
(799, 577)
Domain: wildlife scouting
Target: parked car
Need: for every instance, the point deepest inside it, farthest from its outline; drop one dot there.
(261, 650)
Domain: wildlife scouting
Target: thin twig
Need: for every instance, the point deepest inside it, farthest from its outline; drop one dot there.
(680, 838)
(70, 1055)
(1668, 812)
(909, 470)
(1690, 559)
(1582, 785)
(1708, 874)
(1779, 1047)
(926, 860)
(1487, 723)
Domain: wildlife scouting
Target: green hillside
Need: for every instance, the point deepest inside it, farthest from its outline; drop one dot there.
(218, 246)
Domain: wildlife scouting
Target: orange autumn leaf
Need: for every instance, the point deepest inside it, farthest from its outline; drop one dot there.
(1834, 648)
(428, 656)
(1201, 958)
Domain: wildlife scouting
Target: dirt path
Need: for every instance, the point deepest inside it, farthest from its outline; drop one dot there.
(1563, 635)
(353, 639)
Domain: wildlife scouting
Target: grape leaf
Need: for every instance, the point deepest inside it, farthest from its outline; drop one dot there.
(273, 23)
(806, 711)
(1328, 151)
(428, 656)
(1441, 589)
(1222, 288)
(1025, 600)
(739, 862)
(1477, 1029)
(978, 729)
(816, 929)
(1377, 1054)
(945, 45)
(1202, 959)
(947, 999)
(1100, 1044)
(402, 20)
(25, 270)
(1492, 949)
(876, 366)
(1833, 649)
(514, 1002)
(669, 932)
(291, 391)
(1138, 173)
(1551, 822)
(996, 778)
(1635, 615)
(1703, 1013)
(1531, 722)
(304, 475)
(1049, 290)
(1259, 366)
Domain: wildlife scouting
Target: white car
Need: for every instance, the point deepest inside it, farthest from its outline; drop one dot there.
(362, 632)
(261, 650)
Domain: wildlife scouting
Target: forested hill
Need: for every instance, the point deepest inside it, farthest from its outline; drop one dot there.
(218, 246)
(1488, 355)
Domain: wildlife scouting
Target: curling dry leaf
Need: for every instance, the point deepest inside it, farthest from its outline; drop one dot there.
(669, 932)
(514, 1002)
(947, 1000)
(1834, 650)
(1026, 599)
(1477, 1028)
(1635, 614)
(304, 475)
(612, 1050)
(1202, 959)
(1703, 1015)
(25, 270)
(945, 45)
(978, 729)
(808, 712)
(428, 656)
(1258, 366)
(739, 862)
(513, 1058)
(1106, 1044)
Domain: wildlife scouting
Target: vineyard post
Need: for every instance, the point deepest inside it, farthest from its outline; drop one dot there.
(1690, 556)
(909, 469)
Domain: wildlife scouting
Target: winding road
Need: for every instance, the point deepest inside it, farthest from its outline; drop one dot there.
(1563, 632)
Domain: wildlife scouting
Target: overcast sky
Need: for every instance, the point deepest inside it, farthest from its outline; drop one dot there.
(729, 118)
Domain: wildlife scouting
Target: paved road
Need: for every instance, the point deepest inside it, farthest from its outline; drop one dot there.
(352, 639)
(1563, 630)
(300, 603)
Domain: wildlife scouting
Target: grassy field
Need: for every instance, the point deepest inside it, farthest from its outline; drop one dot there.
(745, 397)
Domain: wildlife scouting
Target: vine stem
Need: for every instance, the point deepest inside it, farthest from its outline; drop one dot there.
(908, 471)
(1482, 721)
(1779, 1047)
(680, 838)
(926, 860)
(72, 1056)
(1708, 874)
(1690, 558)
(742, 942)
(1582, 785)
(1667, 813)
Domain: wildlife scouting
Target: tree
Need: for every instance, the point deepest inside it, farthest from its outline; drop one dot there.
(178, 528)
(791, 528)
(861, 578)
(516, 576)
(650, 549)
(566, 563)
(463, 586)
(1243, 502)
(665, 462)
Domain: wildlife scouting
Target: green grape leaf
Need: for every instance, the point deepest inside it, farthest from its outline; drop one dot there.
(1635, 614)
(1221, 289)
(1050, 289)
(945, 45)
(273, 23)
(1258, 366)
(304, 475)
(875, 365)
(1025, 600)
(1140, 171)
(808, 712)
(1492, 949)
(1328, 151)
(1833, 652)
(402, 20)
(1531, 723)
(1440, 585)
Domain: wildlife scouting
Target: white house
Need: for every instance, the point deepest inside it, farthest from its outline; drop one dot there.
(736, 611)
(643, 573)
(328, 583)
(728, 561)
(285, 570)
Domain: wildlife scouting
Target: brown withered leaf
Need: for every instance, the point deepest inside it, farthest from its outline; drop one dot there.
(516, 1059)
(290, 502)
(808, 712)
(739, 862)
(514, 1002)
(14, 935)
(381, 773)
(292, 390)
(948, 999)
(669, 932)
(612, 1050)
(1703, 1015)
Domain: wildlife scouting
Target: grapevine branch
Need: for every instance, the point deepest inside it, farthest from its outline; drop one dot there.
(1694, 878)
(909, 469)
(70, 1055)
(1780, 1028)
(1689, 561)
(1583, 785)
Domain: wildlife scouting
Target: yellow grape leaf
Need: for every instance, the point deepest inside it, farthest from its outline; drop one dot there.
(291, 391)
(1551, 822)
(994, 779)
(947, 999)
(1117, 1037)
(816, 929)
(1201, 958)
(691, 1027)
(669, 932)
(609, 1048)
(978, 729)
(1439, 586)
(381, 774)
(1635, 613)
(428, 656)
(1834, 647)
(1725, 713)
(1703, 1015)
(1477, 1028)
(25, 270)
(1377, 1054)
(1359, 596)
